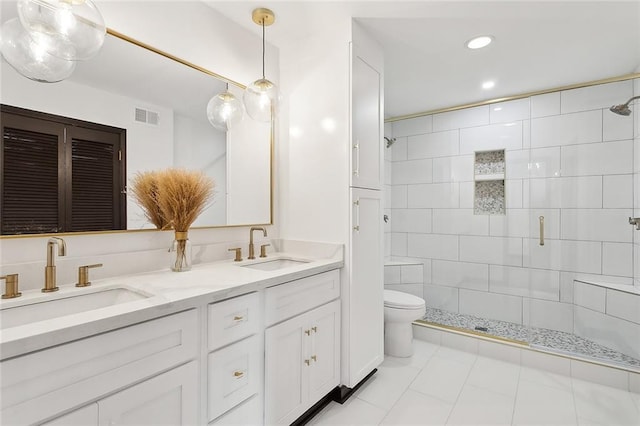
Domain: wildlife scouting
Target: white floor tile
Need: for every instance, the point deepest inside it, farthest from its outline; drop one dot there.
(353, 412)
(385, 387)
(545, 378)
(537, 404)
(604, 404)
(477, 406)
(497, 376)
(442, 378)
(415, 408)
(422, 353)
(463, 357)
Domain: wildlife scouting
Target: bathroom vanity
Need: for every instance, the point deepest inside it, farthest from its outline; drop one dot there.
(250, 342)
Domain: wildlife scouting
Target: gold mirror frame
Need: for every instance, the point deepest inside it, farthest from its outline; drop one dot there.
(205, 71)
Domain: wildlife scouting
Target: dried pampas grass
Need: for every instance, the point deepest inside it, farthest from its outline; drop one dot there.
(172, 198)
(182, 196)
(144, 190)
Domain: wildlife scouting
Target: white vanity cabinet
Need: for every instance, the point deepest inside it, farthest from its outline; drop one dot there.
(41, 385)
(302, 353)
(235, 359)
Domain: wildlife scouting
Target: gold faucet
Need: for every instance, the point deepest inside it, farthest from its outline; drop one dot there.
(50, 269)
(251, 249)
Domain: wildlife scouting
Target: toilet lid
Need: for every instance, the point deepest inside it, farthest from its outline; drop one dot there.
(398, 299)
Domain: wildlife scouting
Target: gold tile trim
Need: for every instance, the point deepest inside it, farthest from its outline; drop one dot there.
(515, 97)
(474, 333)
(526, 345)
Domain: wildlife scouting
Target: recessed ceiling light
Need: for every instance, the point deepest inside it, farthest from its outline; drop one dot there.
(479, 42)
(488, 85)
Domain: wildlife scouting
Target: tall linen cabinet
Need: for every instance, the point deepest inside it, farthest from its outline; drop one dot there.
(362, 295)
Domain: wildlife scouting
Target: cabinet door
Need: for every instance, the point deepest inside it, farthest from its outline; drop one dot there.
(170, 398)
(85, 416)
(285, 380)
(366, 124)
(324, 353)
(364, 313)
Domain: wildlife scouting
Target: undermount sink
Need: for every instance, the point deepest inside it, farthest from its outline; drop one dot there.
(273, 265)
(40, 310)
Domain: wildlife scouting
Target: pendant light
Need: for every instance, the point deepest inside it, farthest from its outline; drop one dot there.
(261, 97)
(71, 29)
(224, 110)
(29, 57)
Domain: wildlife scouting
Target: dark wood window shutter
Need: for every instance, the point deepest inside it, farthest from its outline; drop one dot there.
(60, 174)
(30, 200)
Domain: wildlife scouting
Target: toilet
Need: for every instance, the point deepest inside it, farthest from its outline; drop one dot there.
(400, 310)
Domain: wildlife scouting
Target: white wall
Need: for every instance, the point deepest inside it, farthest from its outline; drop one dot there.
(581, 178)
(200, 146)
(636, 181)
(196, 33)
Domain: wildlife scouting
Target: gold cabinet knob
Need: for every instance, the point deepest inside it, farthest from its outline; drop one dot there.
(315, 329)
(306, 361)
(83, 274)
(307, 332)
(11, 286)
(314, 358)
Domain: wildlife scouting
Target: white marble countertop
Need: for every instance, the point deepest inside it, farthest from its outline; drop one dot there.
(168, 292)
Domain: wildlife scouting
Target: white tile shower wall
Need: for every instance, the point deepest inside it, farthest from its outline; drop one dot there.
(578, 174)
(404, 276)
(636, 181)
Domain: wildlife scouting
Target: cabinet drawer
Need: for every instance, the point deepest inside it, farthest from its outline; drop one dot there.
(41, 384)
(232, 320)
(292, 298)
(234, 375)
(247, 413)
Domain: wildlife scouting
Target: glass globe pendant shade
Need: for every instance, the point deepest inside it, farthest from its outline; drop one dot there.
(224, 110)
(261, 99)
(74, 29)
(29, 57)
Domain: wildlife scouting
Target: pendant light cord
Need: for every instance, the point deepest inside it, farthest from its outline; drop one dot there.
(263, 49)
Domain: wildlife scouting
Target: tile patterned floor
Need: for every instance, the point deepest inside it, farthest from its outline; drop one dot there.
(444, 386)
(537, 337)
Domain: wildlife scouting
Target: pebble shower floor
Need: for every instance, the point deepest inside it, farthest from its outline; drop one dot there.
(563, 342)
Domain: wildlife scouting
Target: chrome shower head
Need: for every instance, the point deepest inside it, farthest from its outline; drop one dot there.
(623, 109)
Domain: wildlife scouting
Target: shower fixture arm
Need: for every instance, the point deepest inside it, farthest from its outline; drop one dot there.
(631, 100)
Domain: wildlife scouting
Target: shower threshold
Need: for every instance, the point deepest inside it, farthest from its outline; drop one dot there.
(536, 338)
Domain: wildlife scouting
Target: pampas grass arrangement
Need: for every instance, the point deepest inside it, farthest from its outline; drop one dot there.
(174, 198)
(144, 190)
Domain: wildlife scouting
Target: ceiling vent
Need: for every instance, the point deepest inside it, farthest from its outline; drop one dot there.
(145, 116)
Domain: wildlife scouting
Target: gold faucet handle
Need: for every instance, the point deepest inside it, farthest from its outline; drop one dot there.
(238, 251)
(263, 250)
(83, 275)
(11, 286)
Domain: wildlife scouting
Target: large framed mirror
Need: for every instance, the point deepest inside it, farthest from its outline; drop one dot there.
(160, 102)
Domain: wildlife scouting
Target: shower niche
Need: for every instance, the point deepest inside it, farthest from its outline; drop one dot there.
(489, 175)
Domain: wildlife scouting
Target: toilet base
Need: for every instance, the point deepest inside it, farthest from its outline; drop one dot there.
(398, 339)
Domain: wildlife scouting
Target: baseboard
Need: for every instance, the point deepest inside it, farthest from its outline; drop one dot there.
(338, 394)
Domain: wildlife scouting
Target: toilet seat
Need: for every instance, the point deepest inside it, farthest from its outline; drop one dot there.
(400, 300)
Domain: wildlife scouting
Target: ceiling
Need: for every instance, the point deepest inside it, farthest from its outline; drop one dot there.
(538, 45)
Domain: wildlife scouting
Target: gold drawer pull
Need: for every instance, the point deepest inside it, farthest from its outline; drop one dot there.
(315, 329)
(306, 361)
(314, 358)
(307, 332)
(238, 318)
(238, 374)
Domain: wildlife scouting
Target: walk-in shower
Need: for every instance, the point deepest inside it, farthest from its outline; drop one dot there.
(559, 155)
(623, 109)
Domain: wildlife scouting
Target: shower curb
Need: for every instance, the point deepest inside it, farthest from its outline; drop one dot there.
(522, 354)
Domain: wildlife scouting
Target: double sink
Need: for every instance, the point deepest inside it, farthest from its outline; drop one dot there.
(46, 307)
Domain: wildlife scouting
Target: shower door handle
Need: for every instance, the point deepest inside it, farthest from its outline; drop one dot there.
(541, 219)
